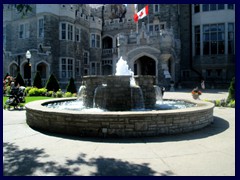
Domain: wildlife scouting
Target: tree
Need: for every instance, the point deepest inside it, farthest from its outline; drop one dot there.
(231, 90)
(19, 80)
(37, 80)
(23, 8)
(71, 86)
(52, 84)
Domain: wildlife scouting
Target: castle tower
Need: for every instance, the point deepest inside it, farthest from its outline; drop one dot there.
(130, 11)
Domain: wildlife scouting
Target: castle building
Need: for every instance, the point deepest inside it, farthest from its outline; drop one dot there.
(178, 43)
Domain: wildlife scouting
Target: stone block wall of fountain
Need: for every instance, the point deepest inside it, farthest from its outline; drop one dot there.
(115, 93)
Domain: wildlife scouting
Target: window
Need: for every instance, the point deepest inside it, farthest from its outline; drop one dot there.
(24, 31)
(205, 7)
(85, 71)
(77, 68)
(197, 40)
(95, 68)
(156, 27)
(209, 73)
(213, 39)
(85, 58)
(220, 6)
(77, 34)
(66, 30)
(40, 28)
(67, 67)
(196, 8)
(212, 7)
(95, 41)
(231, 38)
(156, 8)
(230, 6)
(63, 31)
(70, 32)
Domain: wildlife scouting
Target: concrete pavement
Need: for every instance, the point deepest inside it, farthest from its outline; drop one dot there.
(209, 151)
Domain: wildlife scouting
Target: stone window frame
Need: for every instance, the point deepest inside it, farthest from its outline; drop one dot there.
(77, 34)
(78, 67)
(69, 67)
(85, 55)
(209, 34)
(212, 7)
(154, 8)
(159, 26)
(24, 30)
(42, 28)
(95, 68)
(95, 40)
(69, 35)
(231, 40)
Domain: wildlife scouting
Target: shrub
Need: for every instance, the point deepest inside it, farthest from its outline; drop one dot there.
(52, 84)
(49, 93)
(68, 94)
(231, 104)
(218, 103)
(231, 90)
(33, 92)
(27, 89)
(59, 93)
(37, 80)
(42, 91)
(19, 80)
(71, 86)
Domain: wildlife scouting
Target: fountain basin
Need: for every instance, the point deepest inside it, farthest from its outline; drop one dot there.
(118, 123)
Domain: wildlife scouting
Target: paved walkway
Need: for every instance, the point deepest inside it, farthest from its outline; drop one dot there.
(209, 151)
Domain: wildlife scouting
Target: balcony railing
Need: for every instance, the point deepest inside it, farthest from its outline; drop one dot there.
(109, 52)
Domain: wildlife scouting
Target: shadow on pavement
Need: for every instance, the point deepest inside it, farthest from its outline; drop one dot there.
(27, 162)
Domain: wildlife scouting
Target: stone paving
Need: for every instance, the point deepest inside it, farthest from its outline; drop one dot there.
(206, 152)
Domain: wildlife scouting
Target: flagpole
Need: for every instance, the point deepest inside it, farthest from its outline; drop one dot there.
(135, 8)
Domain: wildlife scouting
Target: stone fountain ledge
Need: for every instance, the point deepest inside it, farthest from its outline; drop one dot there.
(118, 123)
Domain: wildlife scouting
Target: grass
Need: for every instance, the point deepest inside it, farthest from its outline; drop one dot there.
(28, 99)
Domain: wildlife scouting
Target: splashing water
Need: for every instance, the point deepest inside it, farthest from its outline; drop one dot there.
(122, 69)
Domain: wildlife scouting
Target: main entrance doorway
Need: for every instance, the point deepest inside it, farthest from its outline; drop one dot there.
(145, 66)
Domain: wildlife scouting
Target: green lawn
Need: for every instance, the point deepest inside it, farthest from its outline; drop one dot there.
(29, 99)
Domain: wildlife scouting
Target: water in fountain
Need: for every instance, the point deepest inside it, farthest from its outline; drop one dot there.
(158, 91)
(99, 99)
(81, 92)
(122, 70)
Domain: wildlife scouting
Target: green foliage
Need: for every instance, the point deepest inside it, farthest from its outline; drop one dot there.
(59, 93)
(68, 94)
(42, 91)
(218, 103)
(231, 104)
(27, 89)
(50, 94)
(231, 90)
(19, 80)
(8, 89)
(23, 8)
(71, 86)
(37, 92)
(37, 82)
(52, 84)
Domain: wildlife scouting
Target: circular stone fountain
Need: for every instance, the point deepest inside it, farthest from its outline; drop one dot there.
(110, 104)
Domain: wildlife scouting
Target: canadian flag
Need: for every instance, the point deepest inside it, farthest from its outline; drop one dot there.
(141, 14)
